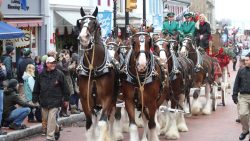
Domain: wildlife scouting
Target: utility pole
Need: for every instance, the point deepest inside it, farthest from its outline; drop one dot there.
(114, 24)
(144, 13)
(126, 20)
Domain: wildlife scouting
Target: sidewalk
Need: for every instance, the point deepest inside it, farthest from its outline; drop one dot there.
(35, 128)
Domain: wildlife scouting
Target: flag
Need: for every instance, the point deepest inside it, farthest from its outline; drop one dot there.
(23, 4)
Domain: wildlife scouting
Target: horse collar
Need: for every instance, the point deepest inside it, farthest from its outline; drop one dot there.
(132, 78)
(98, 71)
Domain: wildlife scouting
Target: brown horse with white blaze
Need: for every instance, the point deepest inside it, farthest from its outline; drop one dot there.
(96, 79)
(142, 83)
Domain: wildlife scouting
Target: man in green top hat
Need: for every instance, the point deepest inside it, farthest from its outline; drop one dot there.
(188, 27)
(170, 26)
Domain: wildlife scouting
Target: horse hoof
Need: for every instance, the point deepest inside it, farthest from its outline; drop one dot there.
(182, 128)
(119, 137)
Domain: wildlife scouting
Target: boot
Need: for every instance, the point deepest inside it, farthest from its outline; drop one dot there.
(74, 110)
(64, 112)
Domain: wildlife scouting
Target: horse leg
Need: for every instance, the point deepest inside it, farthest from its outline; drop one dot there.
(152, 136)
(145, 131)
(90, 130)
(158, 128)
(207, 108)
(172, 130)
(118, 124)
(181, 123)
(125, 121)
(133, 129)
(112, 132)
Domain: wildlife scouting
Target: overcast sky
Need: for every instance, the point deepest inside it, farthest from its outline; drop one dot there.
(233, 9)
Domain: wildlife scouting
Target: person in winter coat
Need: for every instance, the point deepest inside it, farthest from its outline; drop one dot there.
(13, 116)
(29, 82)
(241, 96)
(51, 91)
(202, 33)
(64, 64)
(7, 61)
(23, 63)
(39, 65)
(2, 78)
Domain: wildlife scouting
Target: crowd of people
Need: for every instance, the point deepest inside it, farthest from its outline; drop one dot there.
(43, 89)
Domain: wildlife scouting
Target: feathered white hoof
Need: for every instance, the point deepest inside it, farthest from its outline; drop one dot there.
(119, 136)
(152, 135)
(172, 132)
(196, 107)
(134, 136)
(104, 136)
(181, 123)
(207, 109)
(118, 130)
(144, 139)
(138, 120)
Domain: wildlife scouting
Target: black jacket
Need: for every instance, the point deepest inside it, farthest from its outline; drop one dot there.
(2, 78)
(242, 82)
(21, 67)
(7, 61)
(51, 89)
(11, 98)
(204, 30)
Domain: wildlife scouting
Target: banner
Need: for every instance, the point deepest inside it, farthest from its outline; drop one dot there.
(105, 19)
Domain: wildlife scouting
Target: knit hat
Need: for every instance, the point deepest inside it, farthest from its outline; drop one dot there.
(9, 49)
(12, 83)
(26, 52)
(170, 14)
(44, 58)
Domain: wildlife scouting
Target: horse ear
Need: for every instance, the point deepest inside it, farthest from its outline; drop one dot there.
(95, 12)
(132, 29)
(150, 29)
(82, 12)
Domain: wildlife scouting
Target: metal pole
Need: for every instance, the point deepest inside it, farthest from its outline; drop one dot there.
(144, 12)
(114, 26)
(126, 20)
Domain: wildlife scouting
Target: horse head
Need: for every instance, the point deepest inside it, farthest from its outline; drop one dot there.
(186, 47)
(141, 43)
(89, 26)
(161, 48)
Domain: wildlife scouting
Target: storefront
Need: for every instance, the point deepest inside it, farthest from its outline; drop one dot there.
(27, 16)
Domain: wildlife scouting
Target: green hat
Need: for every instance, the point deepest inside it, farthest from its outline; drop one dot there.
(187, 15)
(26, 51)
(170, 14)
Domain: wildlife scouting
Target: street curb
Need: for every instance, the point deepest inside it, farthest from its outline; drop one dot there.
(19, 134)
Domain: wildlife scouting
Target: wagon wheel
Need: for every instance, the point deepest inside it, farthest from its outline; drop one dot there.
(214, 98)
(225, 87)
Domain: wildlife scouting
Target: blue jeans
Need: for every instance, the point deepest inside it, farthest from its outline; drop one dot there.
(1, 106)
(18, 115)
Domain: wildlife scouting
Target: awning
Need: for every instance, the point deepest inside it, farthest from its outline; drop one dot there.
(24, 22)
(9, 32)
(69, 16)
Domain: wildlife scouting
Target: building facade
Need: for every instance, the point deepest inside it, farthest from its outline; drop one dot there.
(26, 15)
(63, 14)
(206, 7)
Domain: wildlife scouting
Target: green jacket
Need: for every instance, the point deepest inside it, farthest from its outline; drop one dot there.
(187, 28)
(170, 28)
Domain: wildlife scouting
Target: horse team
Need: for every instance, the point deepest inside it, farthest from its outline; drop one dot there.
(154, 85)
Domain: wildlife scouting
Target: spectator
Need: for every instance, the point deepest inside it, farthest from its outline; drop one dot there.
(12, 115)
(18, 64)
(7, 61)
(22, 67)
(51, 91)
(23, 63)
(241, 86)
(29, 82)
(64, 64)
(38, 65)
(202, 33)
(2, 77)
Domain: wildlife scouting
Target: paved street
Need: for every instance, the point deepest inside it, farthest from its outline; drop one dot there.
(219, 126)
